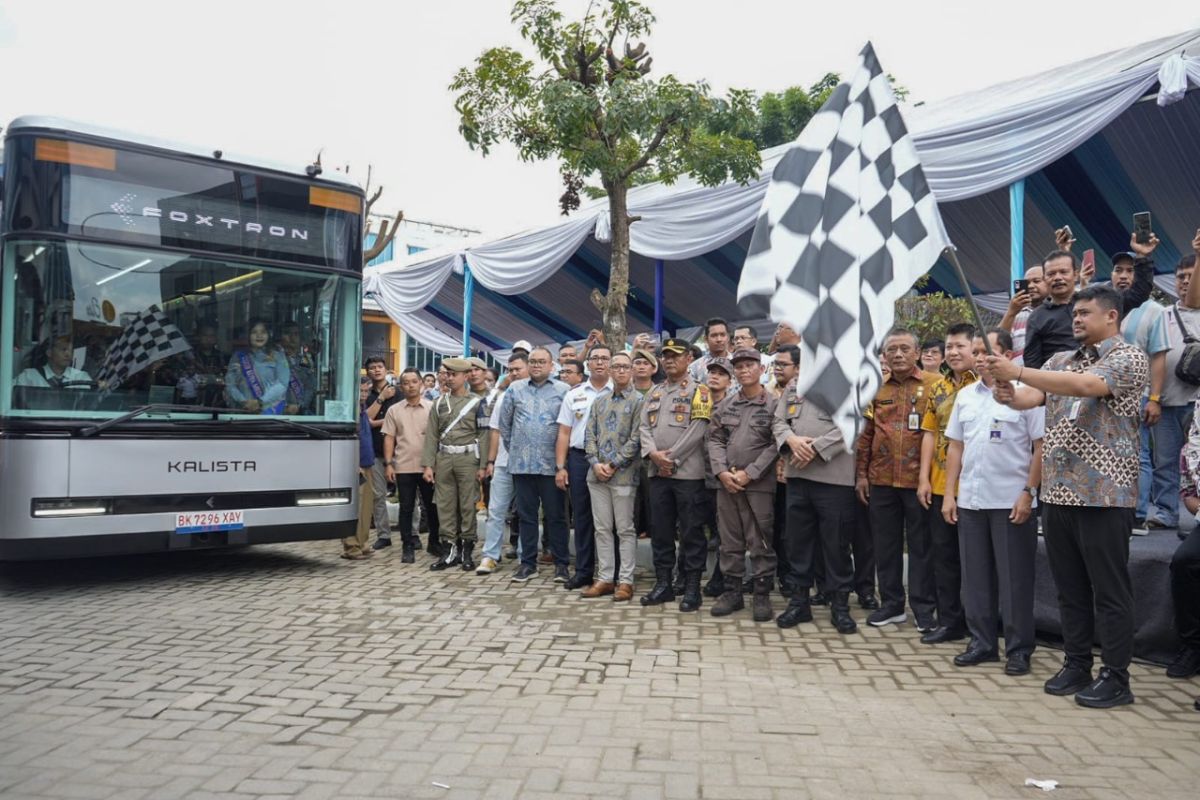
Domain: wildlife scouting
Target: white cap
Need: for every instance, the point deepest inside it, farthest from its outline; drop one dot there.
(523, 344)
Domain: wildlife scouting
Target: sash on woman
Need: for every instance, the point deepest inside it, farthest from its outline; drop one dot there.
(254, 384)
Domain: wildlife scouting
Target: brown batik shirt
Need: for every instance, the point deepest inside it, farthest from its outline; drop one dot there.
(889, 448)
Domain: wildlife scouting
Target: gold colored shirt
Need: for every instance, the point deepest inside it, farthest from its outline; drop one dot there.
(889, 448)
(937, 416)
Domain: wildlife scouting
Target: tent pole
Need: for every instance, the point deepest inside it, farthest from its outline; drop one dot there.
(658, 295)
(468, 301)
(1016, 213)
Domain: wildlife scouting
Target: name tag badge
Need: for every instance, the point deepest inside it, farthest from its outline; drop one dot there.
(996, 436)
(914, 421)
(1073, 414)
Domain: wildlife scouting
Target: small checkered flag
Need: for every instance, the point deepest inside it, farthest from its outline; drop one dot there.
(847, 226)
(149, 338)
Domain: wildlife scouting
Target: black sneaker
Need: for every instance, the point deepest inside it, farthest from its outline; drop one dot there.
(1186, 664)
(1109, 690)
(924, 624)
(523, 574)
(886, 616)
(561, 575)
(381, 543)
(1073, 677)
(578, 581)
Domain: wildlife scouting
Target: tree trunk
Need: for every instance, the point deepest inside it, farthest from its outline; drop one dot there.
(612, 305)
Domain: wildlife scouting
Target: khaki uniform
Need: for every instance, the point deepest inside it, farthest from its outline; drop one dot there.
(674, 417)
(740, 437)
(456, 487)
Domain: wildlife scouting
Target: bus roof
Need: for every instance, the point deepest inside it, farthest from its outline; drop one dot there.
(58, 124)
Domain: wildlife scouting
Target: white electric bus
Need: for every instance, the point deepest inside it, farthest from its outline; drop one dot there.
(179, 346)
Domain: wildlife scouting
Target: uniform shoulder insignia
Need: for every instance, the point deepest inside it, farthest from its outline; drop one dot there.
(702, 403)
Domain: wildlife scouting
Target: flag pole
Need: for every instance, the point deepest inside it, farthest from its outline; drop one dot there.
(962, 279)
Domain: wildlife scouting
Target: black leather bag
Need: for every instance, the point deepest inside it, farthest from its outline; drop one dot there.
(1188, 368)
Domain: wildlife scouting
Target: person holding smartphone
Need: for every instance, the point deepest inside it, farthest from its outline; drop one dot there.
(1028, 293)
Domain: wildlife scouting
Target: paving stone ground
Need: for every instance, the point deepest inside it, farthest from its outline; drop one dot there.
(286, 671)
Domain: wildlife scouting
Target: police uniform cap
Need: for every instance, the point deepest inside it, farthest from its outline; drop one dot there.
(678, 346)
(457, 364)
(477, 363)
(746, 354)
(721, 364)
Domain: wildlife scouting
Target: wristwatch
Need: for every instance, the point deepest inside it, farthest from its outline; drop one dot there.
(1031, 491)
(559, 467)
(1154, 398)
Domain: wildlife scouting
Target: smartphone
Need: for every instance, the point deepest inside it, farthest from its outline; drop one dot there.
(1020, 285)
(1141, 227)
(1067, 230)
(1089, 259)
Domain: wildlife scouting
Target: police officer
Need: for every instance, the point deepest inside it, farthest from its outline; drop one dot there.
(742, 448)
(454, 463)
(674, 419)
(821, 507)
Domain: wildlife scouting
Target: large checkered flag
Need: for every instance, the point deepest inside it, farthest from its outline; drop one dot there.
(847, 227)
(149, 338)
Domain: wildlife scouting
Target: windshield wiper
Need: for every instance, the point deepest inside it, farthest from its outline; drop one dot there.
(92, 430)
(312, 430)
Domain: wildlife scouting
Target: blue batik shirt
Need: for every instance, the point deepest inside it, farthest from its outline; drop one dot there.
(529, 425)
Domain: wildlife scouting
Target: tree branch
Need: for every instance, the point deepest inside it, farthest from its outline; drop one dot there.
(385, 237)
(651, 148)
(371, 200)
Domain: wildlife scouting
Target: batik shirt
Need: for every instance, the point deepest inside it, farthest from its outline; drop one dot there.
(1090, 455)
(529, 425)
(889, 448)
(612, 435)
(937, 417)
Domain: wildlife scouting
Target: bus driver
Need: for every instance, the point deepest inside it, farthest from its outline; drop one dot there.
(57, 372)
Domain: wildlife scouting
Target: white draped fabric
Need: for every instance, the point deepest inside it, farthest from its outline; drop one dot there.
(970, 145)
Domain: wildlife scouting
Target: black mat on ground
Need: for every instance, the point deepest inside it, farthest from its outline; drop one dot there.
(1154, 636)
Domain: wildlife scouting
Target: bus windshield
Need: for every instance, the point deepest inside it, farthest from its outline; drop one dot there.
(94, 330)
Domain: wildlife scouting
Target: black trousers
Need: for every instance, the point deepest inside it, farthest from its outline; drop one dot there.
(581, 506)
(862, 548)
(947, 572)
(820, 524)
(534, 492)
(783, 564)
(409, 486)
(1185, 589)
(677, 503)
(1088, 550)
(897, 516)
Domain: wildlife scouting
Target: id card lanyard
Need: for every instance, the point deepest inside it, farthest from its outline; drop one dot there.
(914, 419)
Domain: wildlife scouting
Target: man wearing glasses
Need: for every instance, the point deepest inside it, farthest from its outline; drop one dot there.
(571, 463)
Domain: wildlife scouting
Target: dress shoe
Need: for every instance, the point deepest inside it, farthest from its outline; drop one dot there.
(976, 653)
(662, 592)
(408, 555)
(942, 634)
(715, 587)
(597, 589)
(1073, 677)
(1017, 664)
(381, 543)
(1186, 664)
(798, 610)
(578, 582)
(486, 566)
(623, 593)
(546, 558)
(839, 613)
(868, 601)
(1109, 690)
(886, 616)
(728, 603)
(819, 598)
(691, 593)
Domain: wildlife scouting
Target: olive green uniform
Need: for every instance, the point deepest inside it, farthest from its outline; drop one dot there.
(452, 449)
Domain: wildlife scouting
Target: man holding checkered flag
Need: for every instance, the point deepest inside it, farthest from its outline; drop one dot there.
(847, 227)
(146, 340)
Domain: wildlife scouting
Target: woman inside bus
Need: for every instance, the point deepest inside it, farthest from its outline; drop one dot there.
(258, 375)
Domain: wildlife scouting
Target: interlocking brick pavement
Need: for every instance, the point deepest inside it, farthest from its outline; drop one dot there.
(286, 671)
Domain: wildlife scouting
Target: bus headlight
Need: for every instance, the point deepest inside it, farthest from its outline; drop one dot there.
(69, 507)
(329, 497)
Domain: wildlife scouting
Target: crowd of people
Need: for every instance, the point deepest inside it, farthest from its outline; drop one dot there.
(1073, 415)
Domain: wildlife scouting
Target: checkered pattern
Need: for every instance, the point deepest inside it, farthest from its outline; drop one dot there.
(847, 227)
(149, 338)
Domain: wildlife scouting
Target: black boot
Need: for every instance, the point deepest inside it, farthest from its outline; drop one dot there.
(716, 584)
(468, 556)
(819, 598)
(691, 592)
(450, 559)
(408, 555)
(677, 582)
(434, 546)
(662, 591)
(839, 613)
(798, 611)
(762, 600)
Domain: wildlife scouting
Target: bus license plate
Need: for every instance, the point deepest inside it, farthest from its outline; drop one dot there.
(208, 521)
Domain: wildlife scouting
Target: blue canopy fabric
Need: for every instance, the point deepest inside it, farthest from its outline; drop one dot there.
(1095, 141)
